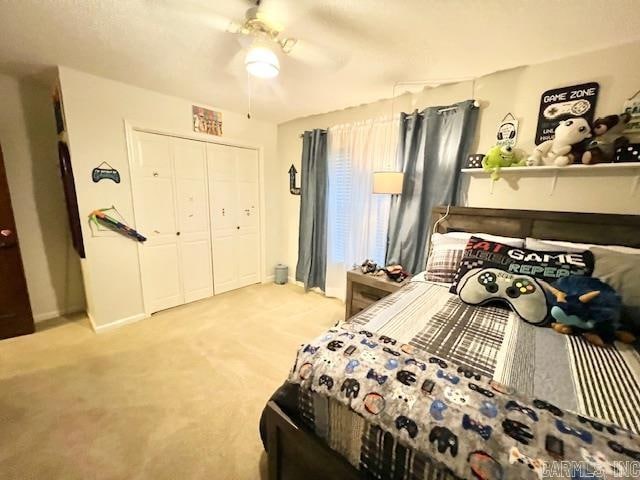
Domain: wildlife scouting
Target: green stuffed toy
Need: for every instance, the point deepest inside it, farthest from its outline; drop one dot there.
(500, 157)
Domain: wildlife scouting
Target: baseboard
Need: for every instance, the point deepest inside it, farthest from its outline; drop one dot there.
(295, 282)
(269, 279)
(117, 323)
(41, 317)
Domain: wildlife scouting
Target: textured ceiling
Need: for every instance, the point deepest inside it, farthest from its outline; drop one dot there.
(350, 51)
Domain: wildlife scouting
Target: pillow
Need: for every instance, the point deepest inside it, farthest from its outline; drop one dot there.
(622, 272)
(524, 294)
(446, 253)
(546, 245)
(547, 266)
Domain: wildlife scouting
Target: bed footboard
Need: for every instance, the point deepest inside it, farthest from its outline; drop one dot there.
(295, 454)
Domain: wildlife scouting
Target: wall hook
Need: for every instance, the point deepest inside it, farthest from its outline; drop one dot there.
(292, 181)
(509, 114)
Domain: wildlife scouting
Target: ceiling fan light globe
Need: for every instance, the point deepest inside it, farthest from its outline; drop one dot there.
(262, 62)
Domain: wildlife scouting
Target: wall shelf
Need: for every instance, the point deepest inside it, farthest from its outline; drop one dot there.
(553, 168)
(553, 172)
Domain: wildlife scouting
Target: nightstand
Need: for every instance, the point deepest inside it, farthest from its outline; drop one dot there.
(366, 289)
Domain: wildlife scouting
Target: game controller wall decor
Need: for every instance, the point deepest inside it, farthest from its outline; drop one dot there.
(563, 103)
(104, 171)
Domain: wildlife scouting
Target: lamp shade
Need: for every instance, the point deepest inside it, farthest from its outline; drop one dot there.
(262, 62)
(387, 182)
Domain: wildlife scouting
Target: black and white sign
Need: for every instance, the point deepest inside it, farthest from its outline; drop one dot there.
(563, 103)
(507, 134)
(632, 106)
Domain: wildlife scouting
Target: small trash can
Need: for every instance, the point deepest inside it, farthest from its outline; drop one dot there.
(282, 274)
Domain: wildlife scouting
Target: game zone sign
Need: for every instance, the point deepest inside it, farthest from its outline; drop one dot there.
(562, 103)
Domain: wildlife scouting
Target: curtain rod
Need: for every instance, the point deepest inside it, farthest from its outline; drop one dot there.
(475, 104)
(323, 130)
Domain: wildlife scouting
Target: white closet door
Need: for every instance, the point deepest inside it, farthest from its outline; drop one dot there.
(154, 199)
(248, 233)
(192, 203)
(222, 192)
(235, 216)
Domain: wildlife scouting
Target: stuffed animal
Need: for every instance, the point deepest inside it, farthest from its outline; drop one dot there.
(558, 151)
(587, 306)
(607, 139)
(500, 157)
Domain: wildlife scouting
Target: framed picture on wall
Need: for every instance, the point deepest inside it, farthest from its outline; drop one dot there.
(207, 121)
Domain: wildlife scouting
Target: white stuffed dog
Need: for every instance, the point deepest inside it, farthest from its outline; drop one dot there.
(558, 151)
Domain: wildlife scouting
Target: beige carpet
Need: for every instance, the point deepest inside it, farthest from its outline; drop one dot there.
(176, 396)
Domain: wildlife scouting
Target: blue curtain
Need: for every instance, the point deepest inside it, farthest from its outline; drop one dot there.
(312, 239)
(432, 147)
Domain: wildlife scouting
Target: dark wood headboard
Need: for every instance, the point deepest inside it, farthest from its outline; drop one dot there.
(599, 228)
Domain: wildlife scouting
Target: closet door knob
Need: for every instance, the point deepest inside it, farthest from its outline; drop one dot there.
(178, 234)
(238, 227)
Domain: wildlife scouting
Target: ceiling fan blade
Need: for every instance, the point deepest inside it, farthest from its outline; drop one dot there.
(318, 57)
(198, 14)
(235, 65)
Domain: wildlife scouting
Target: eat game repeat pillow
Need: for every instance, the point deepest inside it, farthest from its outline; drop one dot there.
(546, 266)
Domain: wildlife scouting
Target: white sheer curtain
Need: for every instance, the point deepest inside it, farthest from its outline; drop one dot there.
(357, 219)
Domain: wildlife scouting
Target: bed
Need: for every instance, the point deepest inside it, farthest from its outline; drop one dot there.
(316, 434)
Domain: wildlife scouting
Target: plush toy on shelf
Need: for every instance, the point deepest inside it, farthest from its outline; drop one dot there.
(589, 307)
(500, 157)
(608, 138)
(568, 134)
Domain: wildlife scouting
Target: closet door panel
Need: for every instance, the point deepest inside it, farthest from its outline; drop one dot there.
(161, 274)
(221, 160)
(223, 206)
(198, 280)
(222, 174)
(155, 211)
(248, 258)
(248, 202)
(193, 218)
(225, 272)
(154, 155)
(193, 208)
(248, 234)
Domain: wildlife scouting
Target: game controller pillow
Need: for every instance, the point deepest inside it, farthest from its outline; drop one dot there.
(522, 293)
(542, 265)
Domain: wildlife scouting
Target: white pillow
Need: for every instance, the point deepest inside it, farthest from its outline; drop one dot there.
(461, 238)
(549, 245)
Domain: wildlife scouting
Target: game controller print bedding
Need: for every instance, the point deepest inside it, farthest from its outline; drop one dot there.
(425, 357)
(460, 419)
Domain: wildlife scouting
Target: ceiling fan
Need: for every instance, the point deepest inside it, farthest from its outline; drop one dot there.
(261, 61)
(260, 34)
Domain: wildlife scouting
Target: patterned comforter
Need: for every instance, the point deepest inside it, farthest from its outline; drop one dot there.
(459, 345)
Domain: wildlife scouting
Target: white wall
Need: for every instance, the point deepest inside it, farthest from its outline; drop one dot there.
(29, 143)
(517, 91)
(95, 110)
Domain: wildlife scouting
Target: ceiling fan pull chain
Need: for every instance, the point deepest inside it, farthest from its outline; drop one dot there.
(249, 95)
